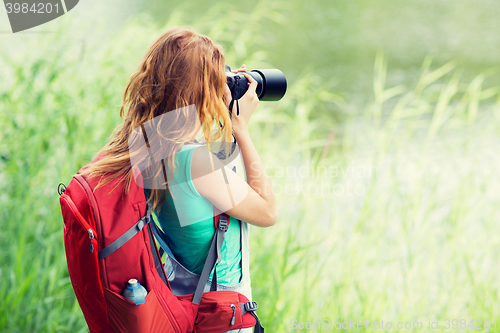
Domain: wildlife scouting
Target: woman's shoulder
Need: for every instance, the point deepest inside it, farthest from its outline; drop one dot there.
(203, 161)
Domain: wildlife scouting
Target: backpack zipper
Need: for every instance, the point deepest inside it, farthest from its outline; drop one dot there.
(93, 207)
(91, 236)
(80, 219)
(234, 314)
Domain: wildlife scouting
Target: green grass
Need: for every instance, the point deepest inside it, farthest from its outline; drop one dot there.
(416, 242)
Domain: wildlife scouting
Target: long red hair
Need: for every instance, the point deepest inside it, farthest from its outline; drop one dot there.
(179, 69)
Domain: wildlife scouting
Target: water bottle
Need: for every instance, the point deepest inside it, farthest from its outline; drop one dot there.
(134, 292)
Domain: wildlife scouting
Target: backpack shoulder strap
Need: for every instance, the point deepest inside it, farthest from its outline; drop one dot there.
(222, 223)
(212, 257)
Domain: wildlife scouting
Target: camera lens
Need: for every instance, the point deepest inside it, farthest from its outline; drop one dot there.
(271, 84)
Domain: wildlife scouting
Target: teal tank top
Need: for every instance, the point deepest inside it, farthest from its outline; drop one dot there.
(187, 221)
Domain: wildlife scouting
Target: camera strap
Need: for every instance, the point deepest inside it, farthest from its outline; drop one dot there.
(231, 107)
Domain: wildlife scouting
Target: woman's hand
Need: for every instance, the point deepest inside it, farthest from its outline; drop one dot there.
(243, 68)
(247, 105)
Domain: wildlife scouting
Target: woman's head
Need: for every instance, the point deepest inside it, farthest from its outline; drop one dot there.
(181, 68)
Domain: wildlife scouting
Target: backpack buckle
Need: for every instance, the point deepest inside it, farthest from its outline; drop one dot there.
(223, 222)
(251, 306)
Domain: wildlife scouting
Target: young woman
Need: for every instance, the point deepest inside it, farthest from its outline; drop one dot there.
(184, 70)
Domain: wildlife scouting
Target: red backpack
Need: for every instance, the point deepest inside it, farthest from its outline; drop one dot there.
(108, 240)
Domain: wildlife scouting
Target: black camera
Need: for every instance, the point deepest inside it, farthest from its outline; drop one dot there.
(271, 83)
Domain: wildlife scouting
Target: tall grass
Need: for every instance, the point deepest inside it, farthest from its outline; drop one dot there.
(413, 240)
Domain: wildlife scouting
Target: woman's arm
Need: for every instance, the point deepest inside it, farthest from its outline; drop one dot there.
(252, 202)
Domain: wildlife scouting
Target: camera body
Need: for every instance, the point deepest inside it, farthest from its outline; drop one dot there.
(271, 83)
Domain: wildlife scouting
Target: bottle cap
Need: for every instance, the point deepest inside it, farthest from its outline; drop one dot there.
(132, 282)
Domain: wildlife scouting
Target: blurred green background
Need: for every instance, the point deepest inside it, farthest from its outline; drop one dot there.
(383, 153)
